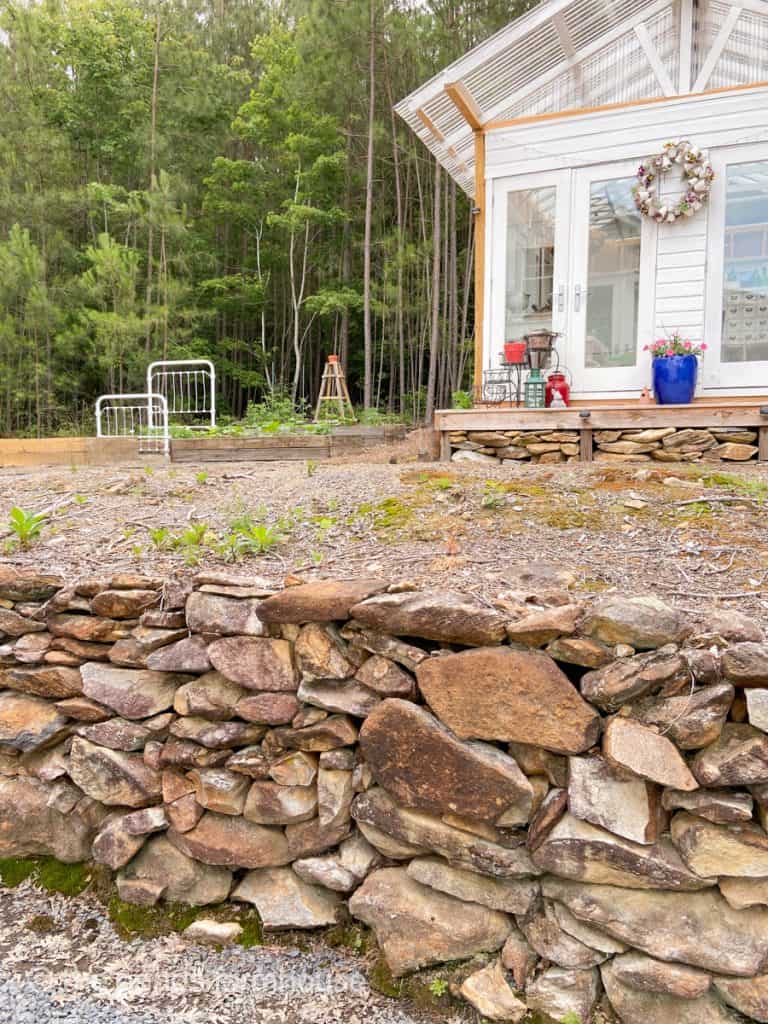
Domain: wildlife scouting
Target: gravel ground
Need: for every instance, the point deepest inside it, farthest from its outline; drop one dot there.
(82, 972)
(686, 533)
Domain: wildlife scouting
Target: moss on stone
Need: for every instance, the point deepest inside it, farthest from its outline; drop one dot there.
(133, 921)
(67, 879)
(14, 871)
(381, 980)
(353, 937)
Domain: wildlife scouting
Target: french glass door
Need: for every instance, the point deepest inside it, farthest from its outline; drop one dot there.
(737, 272)
(567, 256)
(530, 254)
(611, 282)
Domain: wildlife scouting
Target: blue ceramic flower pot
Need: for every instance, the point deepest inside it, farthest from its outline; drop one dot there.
(674, 379)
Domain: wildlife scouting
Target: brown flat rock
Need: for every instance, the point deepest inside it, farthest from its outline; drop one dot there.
(256, 664)
(645, 752)
(496, 693)
(434, 615)
(322, 601)
(232, 842)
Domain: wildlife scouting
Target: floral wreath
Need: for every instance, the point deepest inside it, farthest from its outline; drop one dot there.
(698, 176)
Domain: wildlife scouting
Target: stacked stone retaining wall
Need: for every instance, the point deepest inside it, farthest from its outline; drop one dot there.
(570, 799)
(661, 444)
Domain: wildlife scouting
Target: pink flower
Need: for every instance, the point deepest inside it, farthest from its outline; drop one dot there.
(686, 344)
(645, 348)
(670, 352)
(703, 347)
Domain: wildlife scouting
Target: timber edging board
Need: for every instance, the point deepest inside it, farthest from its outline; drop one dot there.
(635, 417)
(283, 448)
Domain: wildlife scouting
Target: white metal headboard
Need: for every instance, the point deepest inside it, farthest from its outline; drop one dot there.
(188, 386)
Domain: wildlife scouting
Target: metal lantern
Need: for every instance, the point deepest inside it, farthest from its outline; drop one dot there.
(535, 390)
(540, 348)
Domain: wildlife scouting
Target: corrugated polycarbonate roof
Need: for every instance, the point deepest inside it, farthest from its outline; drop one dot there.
(567, 54)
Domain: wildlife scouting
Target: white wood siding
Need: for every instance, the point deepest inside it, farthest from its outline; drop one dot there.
(680, 250)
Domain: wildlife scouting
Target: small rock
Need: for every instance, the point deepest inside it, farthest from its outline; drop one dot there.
(648, 975)
(385, 677)
(83, 709)
(51, 681)
(632, 1004)
(614, 798)
(123, 604)
(113, 777)
(283, 900)
(33, 827)
(631, 678)
(745, 892)
(322, 655)
(166, 871)
(213, 933)
(188, 655)
(542, 930)
(577, 650)
(646, 753)
(232, 842)
(113, 845)
(333, 732)
(539, 628)
(211, 696)
(327, 872)
(722, 806)
(434, 615)
(738, 851)
(269, 803)
(519, 957)
(28, 723)
(323, 601)
(559, 993)
(746, 664)
(738, 757)
(132, 693)
(212, 614)
(489, 992)
(255, 664)
(15, 625)
(514, 896)
(294, 769)
(334, 797)
(644, 622)
(216, 735)
(217, 789)
(416, 926)
(346, 696)
(268, 708)
(691, 721)
(250, 761)
(117, 734)
(757, 708)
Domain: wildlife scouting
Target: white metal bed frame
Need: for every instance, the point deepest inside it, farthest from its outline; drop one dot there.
(189, 387)
(146, 419)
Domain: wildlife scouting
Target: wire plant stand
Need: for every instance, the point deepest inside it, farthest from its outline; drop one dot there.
(140, 415)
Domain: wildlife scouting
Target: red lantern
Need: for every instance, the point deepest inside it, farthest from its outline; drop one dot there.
(514, 352)
(556, 383)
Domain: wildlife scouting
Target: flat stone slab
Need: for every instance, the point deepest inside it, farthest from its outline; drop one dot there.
(739, 757)
(646, 753)
(416, 926)
(323, 601)
(632, 1004)
(558, 992)
(284, 900)
(723, 806)
(614, 799)
(445, 616)
(691, 721)
(747, 995)
(132, 693)
(575, 849)
(498, 693)
(232, 842)
(695, 928)
(28, 723)
(514, 896)
(167, 872)
(646, 974)
(217, 615)
(423, 765)
(737, 851)
(256, 664)
(644, 623)
(113, 777)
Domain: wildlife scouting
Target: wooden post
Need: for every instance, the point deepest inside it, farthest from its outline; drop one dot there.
(445, 446)
(586, 453)
(762, 454)
(480, 222)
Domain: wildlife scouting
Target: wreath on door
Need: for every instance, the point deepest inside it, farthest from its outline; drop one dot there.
(698, 176)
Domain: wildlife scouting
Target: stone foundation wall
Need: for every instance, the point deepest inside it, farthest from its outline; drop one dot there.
(663, 444)
(570, 799)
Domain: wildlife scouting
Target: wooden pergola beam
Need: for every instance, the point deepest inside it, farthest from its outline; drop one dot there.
(466, 104)
(430, 125)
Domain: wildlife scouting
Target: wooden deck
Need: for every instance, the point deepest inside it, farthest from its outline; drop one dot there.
(588, 416)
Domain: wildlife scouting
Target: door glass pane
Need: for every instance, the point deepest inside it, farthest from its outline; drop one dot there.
(530, 261)
(614, 274)
(745, 298)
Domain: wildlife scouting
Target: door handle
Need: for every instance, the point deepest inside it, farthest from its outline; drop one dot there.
(561, 299)
(578, 291)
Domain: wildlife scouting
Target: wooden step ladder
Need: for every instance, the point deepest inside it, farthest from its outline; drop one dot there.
(333, 388)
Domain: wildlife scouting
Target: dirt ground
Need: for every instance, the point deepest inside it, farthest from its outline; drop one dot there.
(690, 534)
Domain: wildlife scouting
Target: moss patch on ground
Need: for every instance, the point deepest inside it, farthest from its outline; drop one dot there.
(47, 872)
(135, 922)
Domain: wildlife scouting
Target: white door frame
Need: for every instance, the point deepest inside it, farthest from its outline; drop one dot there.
(496, 283)
(610, 379)
(746, 375)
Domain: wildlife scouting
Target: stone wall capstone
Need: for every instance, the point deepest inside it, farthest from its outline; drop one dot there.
(571, 794)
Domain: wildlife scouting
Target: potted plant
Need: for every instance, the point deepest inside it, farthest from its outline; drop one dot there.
(674, 369)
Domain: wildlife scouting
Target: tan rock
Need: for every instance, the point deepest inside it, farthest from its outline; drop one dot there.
(585, 933)
(51, 681)
(213, 614)
(722, 806)
(333, 732)
(648, 975)
(285, 901)
(488, 991)
(539, 628)
(745, 892)
(334, 797)
(211, 696)
(694, 928)
(633, 1004)
(232, 842)
(425, 833)
(542, 930)
(268, 708)
(435, 615)
(628, 679)
(645, 752)
(346, 696)
(363, 639)
(691, 721)
(217, 789)
(255, 664)
(734, 452)
(537, 761)
(216, 735)
(518, 957)
(213, 933)
(512, 895)
(643, 622)
(746, 664)
(562, 994)
(28, 723)
(323, 601)
(422, 765)
(31, 826)
(614, 799)
(187, 655)
(322, 654)
(310, 838)
(296, 768)
(113, 777)
(123, 604)
(27, 585)
(385, 677)
(116, 733)
(271, 804)
(83, 709)
(170, 873)
(577, 850)
(738, 757)
(416, 926)
(87, 627)
(739, 851)
(519, 695)
(132, 693)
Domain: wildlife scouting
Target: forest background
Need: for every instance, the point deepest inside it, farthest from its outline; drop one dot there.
(227, 179)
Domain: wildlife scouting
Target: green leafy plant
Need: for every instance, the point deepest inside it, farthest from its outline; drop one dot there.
(201, 477)
(438, 987)
(27, 526)
(161, 538)
(316, 557)
(461, 400)
(260, 539)
(494, 496)
(311, 467)
(571, 1018)
(82, 499)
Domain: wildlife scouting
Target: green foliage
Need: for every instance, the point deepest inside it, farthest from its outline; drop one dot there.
(311, 467)
(461, 400)
(494, 495)
(201, 477)
(438, 987)
(14, 871)
(47, 872)
(27, 526)
(161, 537)
(571, 1018)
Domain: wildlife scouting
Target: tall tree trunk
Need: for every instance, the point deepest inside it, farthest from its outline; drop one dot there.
(152, 176)
(367, 333)
(434, 338)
